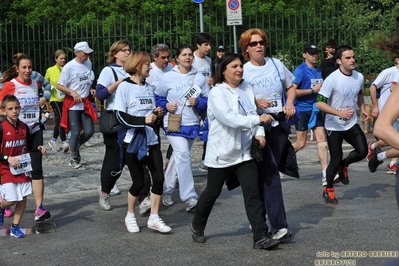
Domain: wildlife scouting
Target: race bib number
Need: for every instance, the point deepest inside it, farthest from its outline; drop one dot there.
(24, 167)
(314, 82)
(30, 115)
(84, 78)
(339, 120)
(192, 92)
(276, 103)
(146, 103)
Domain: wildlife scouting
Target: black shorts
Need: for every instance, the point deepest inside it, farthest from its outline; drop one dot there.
(304, 117)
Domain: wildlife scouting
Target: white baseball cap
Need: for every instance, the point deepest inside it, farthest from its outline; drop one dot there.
(83, 46)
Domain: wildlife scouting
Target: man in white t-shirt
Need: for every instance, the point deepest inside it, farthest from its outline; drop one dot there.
(202, 62)
(161, 56)
(382, 85)
(338, 97)
(75, 81)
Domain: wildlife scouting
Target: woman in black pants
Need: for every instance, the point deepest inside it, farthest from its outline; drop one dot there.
(110, 77)
(232, 122)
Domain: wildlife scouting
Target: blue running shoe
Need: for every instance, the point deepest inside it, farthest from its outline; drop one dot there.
(15, 231)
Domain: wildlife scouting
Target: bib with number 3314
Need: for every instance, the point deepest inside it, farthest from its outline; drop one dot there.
(25, 165)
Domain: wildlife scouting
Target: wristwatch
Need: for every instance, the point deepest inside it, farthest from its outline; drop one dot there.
(5, 158)
(311, 91)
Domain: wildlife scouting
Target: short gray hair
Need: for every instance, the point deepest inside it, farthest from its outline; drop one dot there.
(160, 47)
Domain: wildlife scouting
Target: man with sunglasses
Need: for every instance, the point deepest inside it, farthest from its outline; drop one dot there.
(161, 56)
(75, 81)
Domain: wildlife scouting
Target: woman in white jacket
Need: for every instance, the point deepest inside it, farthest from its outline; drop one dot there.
(233, 122)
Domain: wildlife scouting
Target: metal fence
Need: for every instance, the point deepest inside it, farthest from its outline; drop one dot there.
(287, 35)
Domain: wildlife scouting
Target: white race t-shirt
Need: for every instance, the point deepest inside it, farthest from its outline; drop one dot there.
(266, 82)
(139, 101)
(77, 77)
(384, 82)
(203, 65)
(342, 92)
(107, 78)
(156, 74)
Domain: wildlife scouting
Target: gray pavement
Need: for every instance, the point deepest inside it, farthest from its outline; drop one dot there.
(80, 233)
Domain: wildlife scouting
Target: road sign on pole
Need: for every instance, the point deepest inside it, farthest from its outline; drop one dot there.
(201, 14)
(234, 16)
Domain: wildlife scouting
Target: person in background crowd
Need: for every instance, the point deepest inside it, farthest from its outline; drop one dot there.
(233, 123)
(219, 53)
(340, 93)
(202, 62)
(75, 81)
(56, 100)
(183, 90)
(107, 84)
(328, 65)
(137, 113)
(383, 84)
(308, 82)
(161, 64)
(17, 81)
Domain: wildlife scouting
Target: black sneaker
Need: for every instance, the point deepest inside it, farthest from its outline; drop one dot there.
(374, 163)
(78, 158)
(198, 236)
(324, 195)
(329, 196)
(343, 174)
(266, 243)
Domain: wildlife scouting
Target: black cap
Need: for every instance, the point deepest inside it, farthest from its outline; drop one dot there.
(310, 48)
(220, 48)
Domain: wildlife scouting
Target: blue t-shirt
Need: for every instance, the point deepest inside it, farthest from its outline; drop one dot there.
(306, 77)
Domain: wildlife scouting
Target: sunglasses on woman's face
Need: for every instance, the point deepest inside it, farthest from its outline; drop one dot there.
(254, 44)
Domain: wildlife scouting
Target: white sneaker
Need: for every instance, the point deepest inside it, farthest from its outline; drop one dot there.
(131, 225)
(158, 225)
(283, 233)
(65, 147)
(167, 200)
(324, 180)
(190, 204)
(115, 191)
(145, 206)
(202, 167)
(74, 163)
(104, 200)
(54, 146)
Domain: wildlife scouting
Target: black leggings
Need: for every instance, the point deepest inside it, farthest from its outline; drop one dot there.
(110, 171)
(58, 130)
(355, 137)
(37, 156)
(154, 163)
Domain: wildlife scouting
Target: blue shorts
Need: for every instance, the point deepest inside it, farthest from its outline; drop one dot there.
(304, 117)
(396, 125)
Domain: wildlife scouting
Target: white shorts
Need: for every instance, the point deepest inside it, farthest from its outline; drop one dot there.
(16, 191)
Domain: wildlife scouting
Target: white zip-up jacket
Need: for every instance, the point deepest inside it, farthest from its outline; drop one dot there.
(230, 127)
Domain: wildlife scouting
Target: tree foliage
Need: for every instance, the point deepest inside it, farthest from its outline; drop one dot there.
(289, 23)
